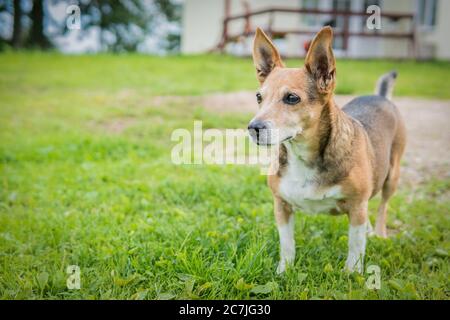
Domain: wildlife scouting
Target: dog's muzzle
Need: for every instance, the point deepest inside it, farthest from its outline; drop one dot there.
(258, 130)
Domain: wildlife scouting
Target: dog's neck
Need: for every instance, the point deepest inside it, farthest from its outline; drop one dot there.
(327, 146)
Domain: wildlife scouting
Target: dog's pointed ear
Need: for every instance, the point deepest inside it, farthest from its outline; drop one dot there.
(320, 61)
(265, 56)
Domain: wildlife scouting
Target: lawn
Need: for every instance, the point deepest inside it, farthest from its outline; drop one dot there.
(87, 180)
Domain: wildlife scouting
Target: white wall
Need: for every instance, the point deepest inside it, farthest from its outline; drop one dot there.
(202, 21)
(362, 47)
(202, 25)
(438, 37)
(443, 30)
(393, 47)
(202, 28)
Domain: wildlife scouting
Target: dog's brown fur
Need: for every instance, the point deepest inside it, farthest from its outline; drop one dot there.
(361, 155)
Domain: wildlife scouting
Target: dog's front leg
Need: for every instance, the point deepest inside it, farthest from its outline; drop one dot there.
(357, 237)
(285, 222)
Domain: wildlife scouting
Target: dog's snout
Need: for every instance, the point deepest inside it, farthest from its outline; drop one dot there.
(257, 126)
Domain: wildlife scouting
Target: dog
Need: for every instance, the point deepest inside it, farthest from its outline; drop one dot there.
(330, 160)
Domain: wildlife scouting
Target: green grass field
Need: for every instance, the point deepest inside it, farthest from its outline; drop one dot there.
(76, 192)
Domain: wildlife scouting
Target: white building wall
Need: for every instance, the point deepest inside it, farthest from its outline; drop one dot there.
(362, 47)
(393, 47)
(280, 21)
(202, 28)
(437, 37)
(202, 25)
(442, 30)
(202, 21)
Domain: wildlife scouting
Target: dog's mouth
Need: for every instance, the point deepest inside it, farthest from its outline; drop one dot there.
(272, 144)
(273, 136)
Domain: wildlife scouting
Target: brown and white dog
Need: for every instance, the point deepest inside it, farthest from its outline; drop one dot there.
(331, 160)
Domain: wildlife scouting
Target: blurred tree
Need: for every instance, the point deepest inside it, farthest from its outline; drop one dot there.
(31, 34)
(122, 25)
(6, 11)
(17, 25)
(37, 37)
(172, 12)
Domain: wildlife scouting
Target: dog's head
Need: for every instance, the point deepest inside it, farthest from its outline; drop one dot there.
(291, 99)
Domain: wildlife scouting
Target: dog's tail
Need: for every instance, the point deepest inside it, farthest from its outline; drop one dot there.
(385, 84)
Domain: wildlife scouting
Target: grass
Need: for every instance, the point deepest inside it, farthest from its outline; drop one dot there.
(75, 192)
(194, 75)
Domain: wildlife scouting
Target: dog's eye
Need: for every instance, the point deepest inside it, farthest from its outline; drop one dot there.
(291, 99)
(259, 97)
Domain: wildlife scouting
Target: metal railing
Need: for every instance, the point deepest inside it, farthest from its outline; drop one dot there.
(343, 32)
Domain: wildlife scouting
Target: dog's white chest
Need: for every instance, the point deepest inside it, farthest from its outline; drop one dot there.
(299, 188)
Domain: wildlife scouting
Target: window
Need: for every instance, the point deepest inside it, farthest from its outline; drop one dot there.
(427, 12)
(368, 3)
(339, 21)
(341, 5)
(311, 20)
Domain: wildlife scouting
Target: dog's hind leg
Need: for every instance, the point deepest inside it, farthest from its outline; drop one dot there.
(391, 182)
(389, 187)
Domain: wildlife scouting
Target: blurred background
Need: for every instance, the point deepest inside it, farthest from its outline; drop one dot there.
(408, 28)
(151, 26)
(91, 93)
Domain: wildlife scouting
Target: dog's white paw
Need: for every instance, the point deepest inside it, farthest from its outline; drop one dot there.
(281, 267)
(354, 264)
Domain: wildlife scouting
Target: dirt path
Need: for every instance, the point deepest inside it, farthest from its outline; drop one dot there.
(428, 150)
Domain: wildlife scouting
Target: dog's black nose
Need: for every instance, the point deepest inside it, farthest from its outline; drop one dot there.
(256, 126)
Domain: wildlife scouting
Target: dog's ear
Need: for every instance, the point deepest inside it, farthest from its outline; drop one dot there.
(320, 61)
(265, 56)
